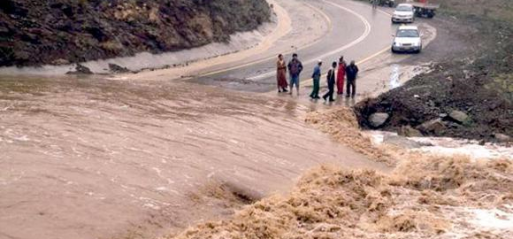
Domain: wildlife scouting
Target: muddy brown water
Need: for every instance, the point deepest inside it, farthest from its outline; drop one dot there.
(92, 158)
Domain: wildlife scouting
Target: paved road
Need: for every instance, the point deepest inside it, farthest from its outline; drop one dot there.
(357, 32)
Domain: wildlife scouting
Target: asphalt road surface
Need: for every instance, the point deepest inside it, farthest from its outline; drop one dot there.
(356, 31)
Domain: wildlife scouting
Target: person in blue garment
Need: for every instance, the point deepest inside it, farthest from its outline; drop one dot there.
(316, 76)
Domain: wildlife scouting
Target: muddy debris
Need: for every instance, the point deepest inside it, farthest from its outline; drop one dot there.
(80, 70)
(425, 197)
(408, 131)
(118, 69)
(60, 62)
(342, 125)
(434, 127)
(503, 138)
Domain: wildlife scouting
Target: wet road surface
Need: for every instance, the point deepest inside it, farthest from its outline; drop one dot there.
(356, 31)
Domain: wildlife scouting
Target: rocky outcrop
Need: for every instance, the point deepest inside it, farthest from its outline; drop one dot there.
(118, 69)
(34, 32)
(378, 119)
(503, 138)
(408, 131)
(80, 70)
(459, 116)
(435, 126)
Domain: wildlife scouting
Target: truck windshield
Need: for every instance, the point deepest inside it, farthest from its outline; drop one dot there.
(407, 33)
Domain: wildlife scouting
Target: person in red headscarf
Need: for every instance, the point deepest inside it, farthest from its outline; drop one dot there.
(281, 74)
(341, 76)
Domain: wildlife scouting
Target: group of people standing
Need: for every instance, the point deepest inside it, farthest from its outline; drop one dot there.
(295, 67)
(340, 74)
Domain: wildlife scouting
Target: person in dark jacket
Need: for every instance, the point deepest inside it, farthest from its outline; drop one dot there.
(352, 74)
(316, 76)
(295, 67)
(331, 83)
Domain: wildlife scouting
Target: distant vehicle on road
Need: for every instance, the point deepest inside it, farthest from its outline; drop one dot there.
(407, 39)
(425, 8)
(404, 13)
(383, 3)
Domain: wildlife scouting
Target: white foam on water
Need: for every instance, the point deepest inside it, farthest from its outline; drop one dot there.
(472, 149)
(151, 206)
(492, 219)
(394, 77)
(451, 146)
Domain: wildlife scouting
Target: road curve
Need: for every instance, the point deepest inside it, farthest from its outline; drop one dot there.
(357, 32)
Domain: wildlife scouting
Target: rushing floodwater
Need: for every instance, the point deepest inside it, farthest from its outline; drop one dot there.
(90, 158)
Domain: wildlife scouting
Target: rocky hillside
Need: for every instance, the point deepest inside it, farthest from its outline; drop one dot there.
(34, 32)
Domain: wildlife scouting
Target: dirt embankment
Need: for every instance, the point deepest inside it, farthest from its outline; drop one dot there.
(62, 31)
(466, 96)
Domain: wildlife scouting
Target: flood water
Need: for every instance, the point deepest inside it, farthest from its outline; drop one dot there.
(93, 158)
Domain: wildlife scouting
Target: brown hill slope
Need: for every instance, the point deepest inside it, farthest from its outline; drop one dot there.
(34, 32)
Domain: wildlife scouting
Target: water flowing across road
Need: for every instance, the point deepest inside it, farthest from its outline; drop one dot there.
(96, 158)
(89, 158)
